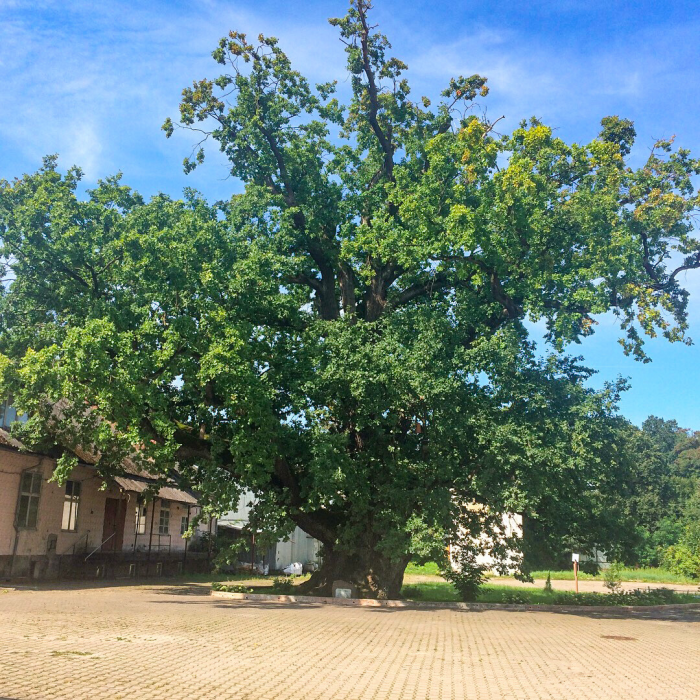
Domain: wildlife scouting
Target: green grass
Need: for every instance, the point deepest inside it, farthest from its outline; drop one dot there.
(429, 569)
(642, 575)
(490, 593)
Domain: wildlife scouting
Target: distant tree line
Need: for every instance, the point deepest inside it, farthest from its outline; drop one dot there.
(656, 514)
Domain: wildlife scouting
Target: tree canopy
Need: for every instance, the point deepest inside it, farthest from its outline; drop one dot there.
(347, 338)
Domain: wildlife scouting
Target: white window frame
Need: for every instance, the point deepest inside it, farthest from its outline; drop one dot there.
(71, 506)
(32, 494)
(164, 522)
(140, 517)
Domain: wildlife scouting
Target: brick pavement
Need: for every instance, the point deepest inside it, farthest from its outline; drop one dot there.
(172, 642)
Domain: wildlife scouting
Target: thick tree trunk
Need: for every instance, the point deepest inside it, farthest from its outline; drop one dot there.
(374, 574)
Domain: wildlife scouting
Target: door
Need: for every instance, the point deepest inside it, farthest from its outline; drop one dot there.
(113, 527)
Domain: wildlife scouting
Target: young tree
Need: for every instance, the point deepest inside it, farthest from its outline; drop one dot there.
(346, 337)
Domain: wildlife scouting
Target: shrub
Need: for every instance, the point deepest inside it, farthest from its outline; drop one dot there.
(681, 559)
(218, 586)
(283, 585)
(548, 583)
(612, 577)
(411, 592)
(515, 598)
(468, 577)
(639, 596)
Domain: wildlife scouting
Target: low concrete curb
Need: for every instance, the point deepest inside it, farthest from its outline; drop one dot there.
(410, 604)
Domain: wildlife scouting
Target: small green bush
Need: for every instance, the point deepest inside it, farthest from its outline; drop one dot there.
(639, 596)
(468, 577)
(283, 586)
(548, 583)
(612, 577)
(683, 560)
(515, 598)
(218, 586)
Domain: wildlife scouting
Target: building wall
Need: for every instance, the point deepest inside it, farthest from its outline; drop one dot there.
(511, 526)
(300, 547)
(91, 509)
(174, 542)
(50, 512)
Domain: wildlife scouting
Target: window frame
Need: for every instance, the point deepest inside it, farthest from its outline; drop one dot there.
(141, 518)
(7, 411)
(74, 505)
(31, 494)
(164, 523)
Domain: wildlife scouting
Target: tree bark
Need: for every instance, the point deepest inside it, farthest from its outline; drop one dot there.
(374, 574)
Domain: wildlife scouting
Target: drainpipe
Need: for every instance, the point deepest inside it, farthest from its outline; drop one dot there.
(150, 539)
(14, 550)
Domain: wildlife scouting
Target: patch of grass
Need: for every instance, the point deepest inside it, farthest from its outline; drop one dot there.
(437, 592)
(213, 576)
(509, 595)
(641, 575)
(429, 569)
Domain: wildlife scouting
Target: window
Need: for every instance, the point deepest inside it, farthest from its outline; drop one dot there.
(183, 525)
(140, 523)
(8, 415)
(70, 506)
(28, 504)
(164, 521)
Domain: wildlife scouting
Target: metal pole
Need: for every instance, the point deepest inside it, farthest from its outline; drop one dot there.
(209, 551)
(187, 539)
(138, 523)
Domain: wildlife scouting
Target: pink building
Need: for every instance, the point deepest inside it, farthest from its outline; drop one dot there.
(89, 528)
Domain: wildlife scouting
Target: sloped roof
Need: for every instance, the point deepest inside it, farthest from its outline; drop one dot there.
(168, 493)
(139, 484)
(8, 441)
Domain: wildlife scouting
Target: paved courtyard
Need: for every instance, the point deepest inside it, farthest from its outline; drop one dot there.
(175, 642)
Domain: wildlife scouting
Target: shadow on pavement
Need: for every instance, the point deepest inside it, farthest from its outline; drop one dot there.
(670, 614)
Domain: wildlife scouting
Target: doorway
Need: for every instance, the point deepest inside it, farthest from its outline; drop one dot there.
(113, 528)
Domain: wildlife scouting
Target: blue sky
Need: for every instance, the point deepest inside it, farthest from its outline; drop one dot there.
(93, 81)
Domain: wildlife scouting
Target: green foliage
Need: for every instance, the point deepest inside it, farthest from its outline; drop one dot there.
(548, 583)
(283, 586)
(467, 576)
(649, 596)
(228, 588)
(346, 337)
(683, 557)
(515, 598)
(612, 577)
(489, 593)
(641, 575)
(428, 569)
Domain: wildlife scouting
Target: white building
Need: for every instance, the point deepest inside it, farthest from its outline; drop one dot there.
(298, 547)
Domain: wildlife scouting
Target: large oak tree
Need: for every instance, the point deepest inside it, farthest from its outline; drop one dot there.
(347, 338)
